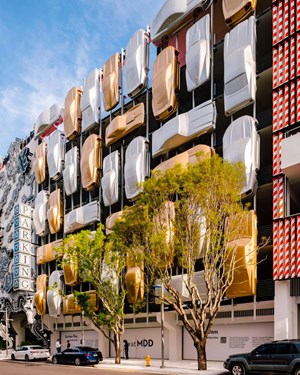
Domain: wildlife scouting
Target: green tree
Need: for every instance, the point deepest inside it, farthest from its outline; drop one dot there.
(99, 264)
(184, 216)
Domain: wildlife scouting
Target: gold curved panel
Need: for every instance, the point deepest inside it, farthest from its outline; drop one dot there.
(165, 220)
(186, 157)
(71, 307)
(40, 297)
(165, 83)
(124, 124)
(72, 113)
(110, 221)
(110, 82)
(40, 162)
(245, 272)
(134, 280)
(91, 162)
(70, 273)
(55, 211)
(48, 253)
(236, 11)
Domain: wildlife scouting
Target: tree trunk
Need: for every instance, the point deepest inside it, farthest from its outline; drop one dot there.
(117, 349)
(201, 355)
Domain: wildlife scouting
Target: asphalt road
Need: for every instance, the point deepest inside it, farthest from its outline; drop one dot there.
(8, 367)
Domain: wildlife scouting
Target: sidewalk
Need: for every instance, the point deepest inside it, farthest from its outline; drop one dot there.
(183, 367)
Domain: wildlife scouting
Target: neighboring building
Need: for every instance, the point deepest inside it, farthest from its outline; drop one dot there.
(211, 85)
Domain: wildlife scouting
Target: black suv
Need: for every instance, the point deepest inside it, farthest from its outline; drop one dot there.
(277, 357)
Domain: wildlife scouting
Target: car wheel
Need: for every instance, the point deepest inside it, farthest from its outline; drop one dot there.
(296, 371)
(54, 361)
(77, 362)
(13, 357)
(237, 369)
(26, 358)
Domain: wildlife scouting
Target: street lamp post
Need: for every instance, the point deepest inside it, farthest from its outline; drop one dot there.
(6, 332)
(162, 318)
(82, 327)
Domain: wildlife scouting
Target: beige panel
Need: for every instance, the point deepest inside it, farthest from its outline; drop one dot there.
(186, 157)
(71, 307)
(110, 82)
(110, 221)
(55, 211)
(124, 124)
(40, 296)
(245, 273)
(165, 83)
(48, 253)
(40, 162)
(236, 11)
(72, 113)
(91, 162)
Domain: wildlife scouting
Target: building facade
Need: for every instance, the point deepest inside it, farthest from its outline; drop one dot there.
(224, 76)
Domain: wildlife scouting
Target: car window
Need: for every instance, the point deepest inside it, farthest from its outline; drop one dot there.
(87, 349)
(266, 349)
(36, 347)
(68, 350)
(286, 348)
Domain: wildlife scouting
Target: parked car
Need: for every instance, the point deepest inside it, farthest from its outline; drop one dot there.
(78, 355)
(30, 352)
(282, 356)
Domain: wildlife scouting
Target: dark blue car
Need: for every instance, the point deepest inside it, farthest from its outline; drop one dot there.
(78, 355)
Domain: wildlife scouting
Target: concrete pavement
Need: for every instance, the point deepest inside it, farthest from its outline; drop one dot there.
(183, 367)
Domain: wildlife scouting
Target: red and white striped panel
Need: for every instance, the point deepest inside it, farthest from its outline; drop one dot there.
(280, 139)
(286, 106)
(275, 250)
(286, 69)
(275, 155)
(280, 65)
(287, 270)
(280, 197)
(298, 100)
(293, 248)
(280, 21)
(293, 103)
(298, 55)
(275, 111)
(298, 247)
(274, 22)
(298, 15)
(275, 67)
(286, 18)
(275, 198)
(292, 17)
(280, 108)
(281, 249)
(292, 58)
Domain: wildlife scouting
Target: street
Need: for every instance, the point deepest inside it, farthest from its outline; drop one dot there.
(8, 367)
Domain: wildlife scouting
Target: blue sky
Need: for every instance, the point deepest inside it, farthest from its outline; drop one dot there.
(49, 46)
